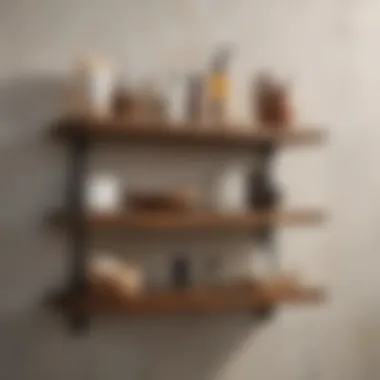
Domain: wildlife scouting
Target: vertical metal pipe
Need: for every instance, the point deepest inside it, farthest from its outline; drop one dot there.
(266, 199)
(77, 228)
(270, 196)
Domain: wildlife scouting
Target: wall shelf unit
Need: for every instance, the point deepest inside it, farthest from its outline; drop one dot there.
(83, 300)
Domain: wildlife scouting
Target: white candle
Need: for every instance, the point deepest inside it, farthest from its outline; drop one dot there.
(103, 193)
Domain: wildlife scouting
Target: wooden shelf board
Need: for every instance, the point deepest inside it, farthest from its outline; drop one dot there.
(161, 132)
(199, 221)
(212, 299)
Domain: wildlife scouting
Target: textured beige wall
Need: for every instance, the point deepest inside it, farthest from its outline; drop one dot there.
(329, 48)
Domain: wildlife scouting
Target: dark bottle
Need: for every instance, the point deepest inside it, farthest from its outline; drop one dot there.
(263, 193)
(181, 272)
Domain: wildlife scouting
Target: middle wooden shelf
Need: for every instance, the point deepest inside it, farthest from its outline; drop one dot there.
(191, 221)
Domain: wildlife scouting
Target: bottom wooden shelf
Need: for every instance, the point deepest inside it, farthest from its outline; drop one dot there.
(244, 296)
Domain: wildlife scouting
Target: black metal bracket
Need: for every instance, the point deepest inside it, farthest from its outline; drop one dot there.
(77, 229)
(265, 197)
(265, 313)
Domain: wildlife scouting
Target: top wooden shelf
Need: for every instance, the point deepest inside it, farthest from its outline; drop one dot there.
(186, 134)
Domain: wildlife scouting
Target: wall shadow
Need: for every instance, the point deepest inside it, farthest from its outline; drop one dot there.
(35, 344)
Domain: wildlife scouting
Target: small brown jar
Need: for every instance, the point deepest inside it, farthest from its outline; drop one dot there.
(123, 104)
(271, 102)
(152, 105)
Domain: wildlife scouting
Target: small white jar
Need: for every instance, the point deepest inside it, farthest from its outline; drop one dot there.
(103, 194)
(177, 101)
(91, 88)
(229, 190)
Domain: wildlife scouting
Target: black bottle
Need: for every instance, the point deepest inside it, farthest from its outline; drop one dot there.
(181, 272)
(263, 193)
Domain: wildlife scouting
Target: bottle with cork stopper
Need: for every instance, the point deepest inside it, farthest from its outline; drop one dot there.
(218, 87)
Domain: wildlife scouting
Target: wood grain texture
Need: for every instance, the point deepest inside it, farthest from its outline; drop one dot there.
(237, 297)
(192, 221)
(186, 134)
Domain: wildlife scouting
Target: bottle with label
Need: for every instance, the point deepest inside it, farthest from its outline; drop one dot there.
(218, 87)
